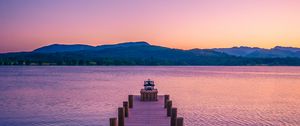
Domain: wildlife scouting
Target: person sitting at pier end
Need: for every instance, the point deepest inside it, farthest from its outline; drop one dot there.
(149, 85)
(149, 93)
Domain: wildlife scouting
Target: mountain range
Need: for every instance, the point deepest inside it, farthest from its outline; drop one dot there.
(143, 53)
(242, 51)
(277, 51)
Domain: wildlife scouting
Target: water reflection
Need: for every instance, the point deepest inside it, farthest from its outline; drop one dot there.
(45, 96)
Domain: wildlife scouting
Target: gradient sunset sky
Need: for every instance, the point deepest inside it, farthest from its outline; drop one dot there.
(29, 24)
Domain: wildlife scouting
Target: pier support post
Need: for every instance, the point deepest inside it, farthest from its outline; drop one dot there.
(167, 97)
(125, 106)
(112, 121)
(130, 101)
(174, 117)
(169, 107)
(148, 95)
(179, 121)
(146, 98)
(151, 97)
(143, 97)
(121, 115)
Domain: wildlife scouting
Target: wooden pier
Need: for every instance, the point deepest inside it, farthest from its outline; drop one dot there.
(147, 109)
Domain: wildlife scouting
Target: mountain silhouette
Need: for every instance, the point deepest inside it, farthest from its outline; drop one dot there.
(62, 48)
(276, 52)
(143, 53)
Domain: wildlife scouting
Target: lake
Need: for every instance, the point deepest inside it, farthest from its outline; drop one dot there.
(90, 95)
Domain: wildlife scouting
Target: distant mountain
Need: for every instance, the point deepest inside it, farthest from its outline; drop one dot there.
(208, 52)
(237, 51)
(124, 44)
(276, 52)
(273, 53)
(62, 48)
(143, 53)
(79, 47)
(292, 49)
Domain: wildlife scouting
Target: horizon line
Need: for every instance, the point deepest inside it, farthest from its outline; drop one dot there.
(149, 44)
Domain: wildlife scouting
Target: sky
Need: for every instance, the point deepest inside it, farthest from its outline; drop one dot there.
(185, 24)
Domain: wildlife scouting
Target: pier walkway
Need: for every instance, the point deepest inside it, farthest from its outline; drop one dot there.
(147, 113)
(147, 109)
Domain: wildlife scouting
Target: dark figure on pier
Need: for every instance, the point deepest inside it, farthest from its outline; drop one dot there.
(149, 93)
(149, 85)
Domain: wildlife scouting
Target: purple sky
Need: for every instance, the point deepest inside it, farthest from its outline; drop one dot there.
(29, 24)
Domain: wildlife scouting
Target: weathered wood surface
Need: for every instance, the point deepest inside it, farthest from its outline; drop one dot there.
(147, 113)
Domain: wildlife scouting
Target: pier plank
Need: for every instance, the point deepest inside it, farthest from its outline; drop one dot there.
(147, 113)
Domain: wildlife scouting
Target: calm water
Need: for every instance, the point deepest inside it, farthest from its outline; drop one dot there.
(88, 96)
